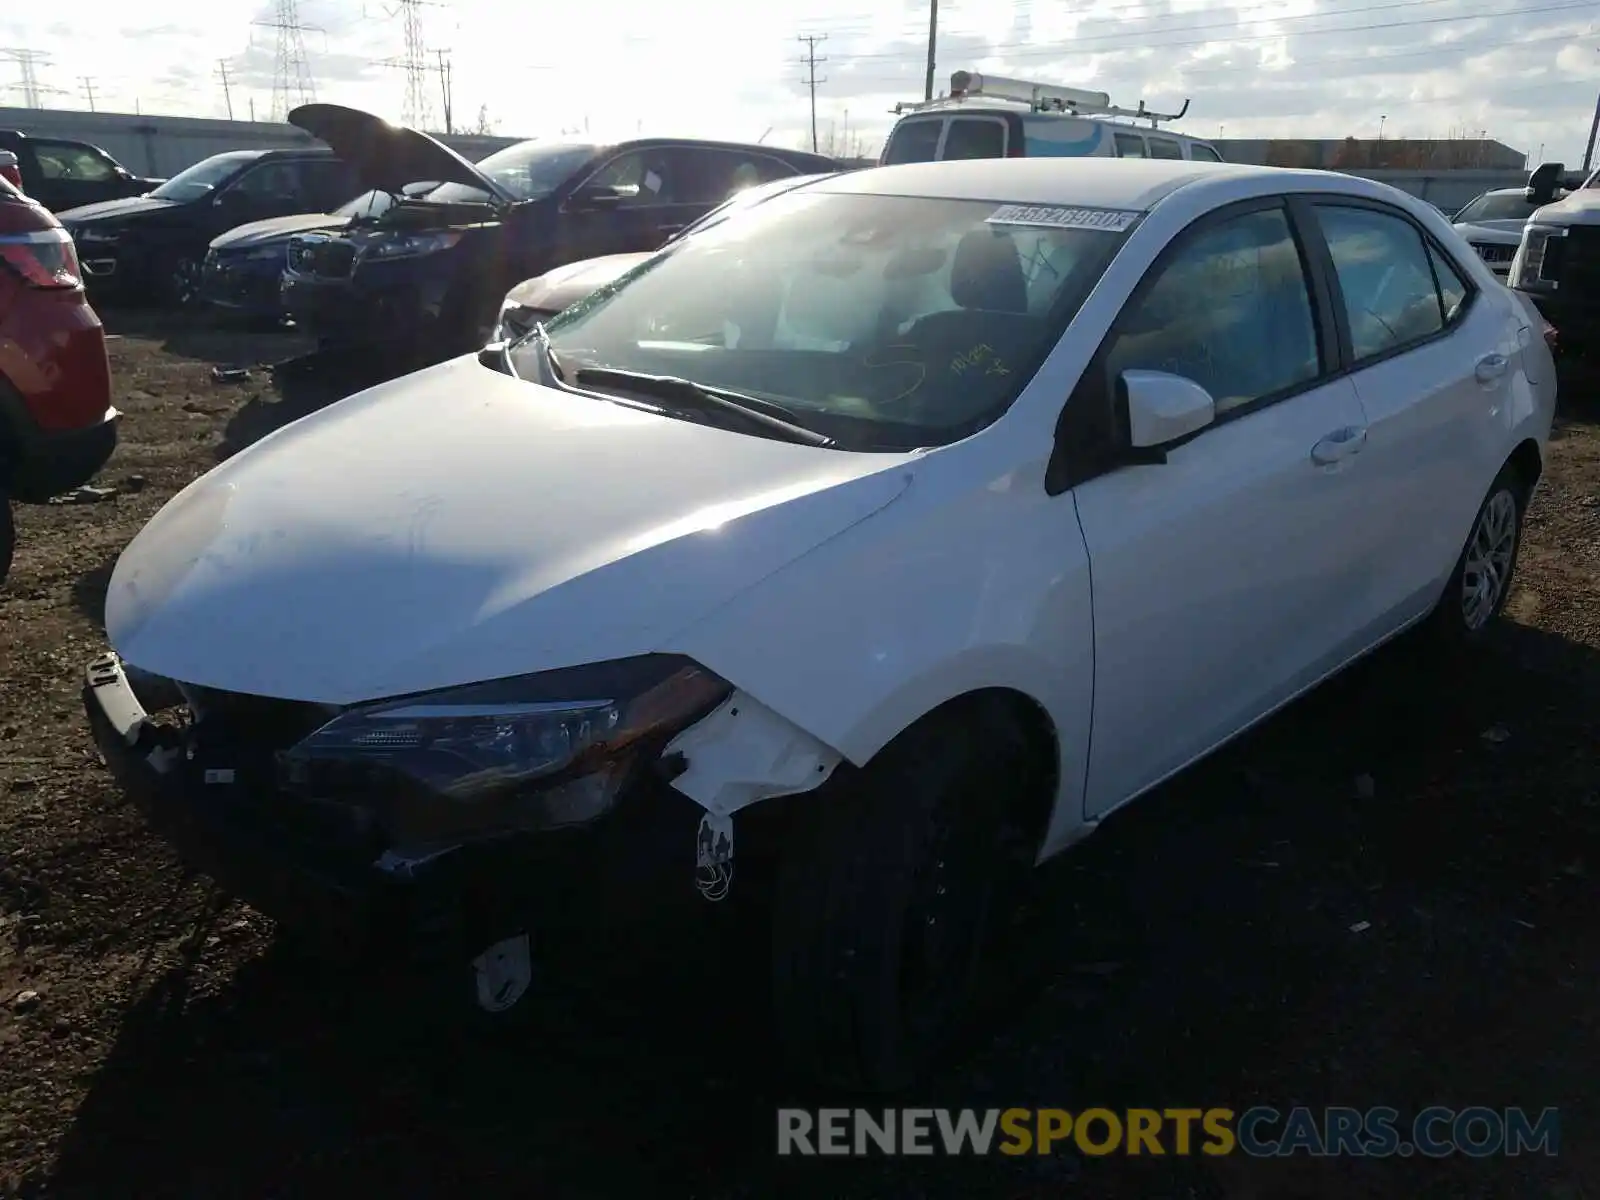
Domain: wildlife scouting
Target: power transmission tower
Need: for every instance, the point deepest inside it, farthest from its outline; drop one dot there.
(88, 89)
(28, 62)
(811, 40)
(227, 89)
(292, 84)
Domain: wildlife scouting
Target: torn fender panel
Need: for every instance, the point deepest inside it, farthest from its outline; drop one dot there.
(744, 752)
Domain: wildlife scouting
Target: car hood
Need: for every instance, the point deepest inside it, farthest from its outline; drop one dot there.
(457, 525)
(1582, 207)
(114, 210)
(1500, 233)
(554, 290)
(385, 156)
(256, 233)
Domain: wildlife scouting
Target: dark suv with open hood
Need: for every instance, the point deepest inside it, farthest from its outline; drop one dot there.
(433, 270)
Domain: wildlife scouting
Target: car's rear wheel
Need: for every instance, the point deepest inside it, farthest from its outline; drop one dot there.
(884, 903)
(8, 537)
(1481, 582)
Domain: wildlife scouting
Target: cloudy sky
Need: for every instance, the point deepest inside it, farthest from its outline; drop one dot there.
(1526, 71)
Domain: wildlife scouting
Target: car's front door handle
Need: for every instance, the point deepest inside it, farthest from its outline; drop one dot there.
(1339, 445)
(1490, 367)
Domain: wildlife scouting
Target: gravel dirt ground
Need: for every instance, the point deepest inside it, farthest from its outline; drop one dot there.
(1385, 896)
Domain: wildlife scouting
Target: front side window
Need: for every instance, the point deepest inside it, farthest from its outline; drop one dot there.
(1390, 296)
(914, 142)
(1504, 206)
(1130, 145)
(72, 160)
(271, 181)
(971, 137)
(647, 178)
(1231, 310)
(205, 176)
(884, 322)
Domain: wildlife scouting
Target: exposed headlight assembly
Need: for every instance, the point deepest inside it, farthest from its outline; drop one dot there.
(410, 245)
(528, 753)
(1528, 268)
(516, 320)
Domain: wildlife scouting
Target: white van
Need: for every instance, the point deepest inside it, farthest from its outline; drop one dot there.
(992, 117)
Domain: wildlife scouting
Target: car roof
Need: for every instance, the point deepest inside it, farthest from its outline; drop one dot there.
(1126, 183)
(746, 147)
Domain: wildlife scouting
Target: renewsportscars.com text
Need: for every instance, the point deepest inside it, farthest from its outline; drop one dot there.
(1258, 1132)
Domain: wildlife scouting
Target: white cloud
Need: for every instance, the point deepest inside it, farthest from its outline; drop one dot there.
(1318, 68)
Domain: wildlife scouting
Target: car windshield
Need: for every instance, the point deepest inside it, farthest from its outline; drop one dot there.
(191, 183)
(882, 322)
(528, 170)
(1507, 206)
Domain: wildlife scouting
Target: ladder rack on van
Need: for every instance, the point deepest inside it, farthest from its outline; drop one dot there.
(1039, 97)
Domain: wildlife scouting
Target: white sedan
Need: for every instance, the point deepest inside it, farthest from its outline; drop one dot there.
(850, 559)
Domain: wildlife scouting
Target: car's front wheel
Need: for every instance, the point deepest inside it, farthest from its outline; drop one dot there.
(1481, 583)
(884, 903)
(183, 282)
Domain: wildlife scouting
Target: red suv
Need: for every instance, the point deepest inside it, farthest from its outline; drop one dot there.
(57, 425)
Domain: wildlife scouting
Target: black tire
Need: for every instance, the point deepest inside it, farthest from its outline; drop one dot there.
(8, 537)
(181, 286)
(1485, 572)
(921, 835)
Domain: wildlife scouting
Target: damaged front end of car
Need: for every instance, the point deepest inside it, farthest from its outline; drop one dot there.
(437, 824)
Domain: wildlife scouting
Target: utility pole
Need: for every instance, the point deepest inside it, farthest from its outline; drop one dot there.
(811, 40)
(88, 89)
(1588, 154)
(933, 41)
(444, 87)
(252, 110)
(227, 89)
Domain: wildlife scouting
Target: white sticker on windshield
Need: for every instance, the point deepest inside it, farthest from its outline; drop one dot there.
(1112, 220)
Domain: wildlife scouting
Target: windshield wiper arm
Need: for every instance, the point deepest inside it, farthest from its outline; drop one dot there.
(689, 394)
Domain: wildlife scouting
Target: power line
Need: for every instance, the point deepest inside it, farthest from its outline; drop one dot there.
(811, 40)
(292, 82)
(1141, 41)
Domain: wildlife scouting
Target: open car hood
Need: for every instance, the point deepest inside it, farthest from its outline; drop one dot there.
(388, 156)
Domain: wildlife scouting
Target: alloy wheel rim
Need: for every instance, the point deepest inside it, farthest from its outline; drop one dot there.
(1486, 570)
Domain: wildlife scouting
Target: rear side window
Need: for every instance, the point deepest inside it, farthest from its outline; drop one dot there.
(913, 142)
(1203, 153)
(1230, 310)
(1130, 145)
(973, 138)
(72, 160)
(1390, 297)
(1164, 148)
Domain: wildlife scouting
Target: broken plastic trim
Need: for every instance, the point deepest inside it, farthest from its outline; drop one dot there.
(744, 752)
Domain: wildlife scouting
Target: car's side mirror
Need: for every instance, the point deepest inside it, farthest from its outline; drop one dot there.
(588, 199)
(1155, 409)
(1543, 183)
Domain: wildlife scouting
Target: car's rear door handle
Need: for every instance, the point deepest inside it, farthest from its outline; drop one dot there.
(1339, 445)
(1490, 367)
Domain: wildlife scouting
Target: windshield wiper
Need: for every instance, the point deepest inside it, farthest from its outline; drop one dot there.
(686, 393)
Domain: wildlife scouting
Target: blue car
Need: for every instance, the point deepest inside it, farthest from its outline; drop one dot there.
(243, 270)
